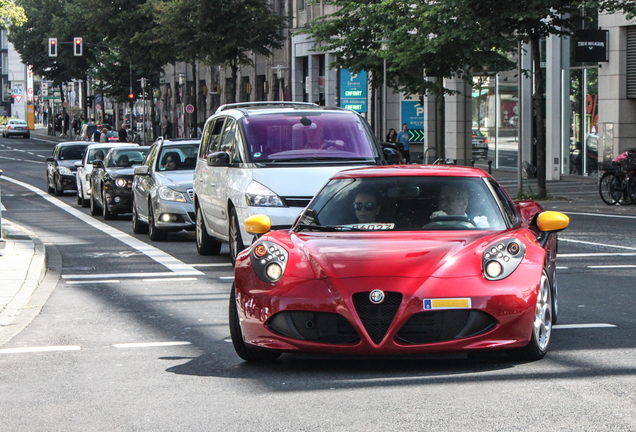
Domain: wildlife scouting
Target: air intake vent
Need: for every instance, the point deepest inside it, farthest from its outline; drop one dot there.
(322, 327)
(377, 318)
(439, 326)
(296, 201)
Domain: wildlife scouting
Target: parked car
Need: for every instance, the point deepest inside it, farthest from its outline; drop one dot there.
(272, 158)
(162, 189)
(400, 260)
(16, 127)
(61, 169)
(88, 129)
(480, 145)
(85, 167)
(111, 180)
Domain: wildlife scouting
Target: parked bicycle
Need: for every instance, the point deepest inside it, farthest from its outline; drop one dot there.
(618, 183)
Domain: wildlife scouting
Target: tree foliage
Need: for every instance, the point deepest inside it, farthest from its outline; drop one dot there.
(11, 14)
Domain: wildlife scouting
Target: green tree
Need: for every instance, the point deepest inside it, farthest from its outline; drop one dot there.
(531, 21)
(11, 14)
(437, 39)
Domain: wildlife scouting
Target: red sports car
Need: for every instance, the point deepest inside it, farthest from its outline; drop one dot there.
(400, 260)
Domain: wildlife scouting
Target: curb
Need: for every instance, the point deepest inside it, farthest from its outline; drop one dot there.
(35, 274)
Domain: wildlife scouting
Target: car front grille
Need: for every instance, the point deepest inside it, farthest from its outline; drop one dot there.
(296, 201)
(377, 318)
(191, 194)
(322, 327)
(440, 326)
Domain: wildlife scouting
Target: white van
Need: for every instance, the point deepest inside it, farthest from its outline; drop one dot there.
(272, 158)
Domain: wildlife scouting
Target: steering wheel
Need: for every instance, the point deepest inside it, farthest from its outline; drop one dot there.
(330, 145)
(463, 221)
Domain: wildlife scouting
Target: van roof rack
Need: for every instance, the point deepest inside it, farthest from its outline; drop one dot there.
(266, 104)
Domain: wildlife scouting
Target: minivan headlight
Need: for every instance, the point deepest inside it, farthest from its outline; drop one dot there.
(257, 195)
(65, 171)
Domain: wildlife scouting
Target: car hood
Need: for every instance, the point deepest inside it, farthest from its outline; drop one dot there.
(408, 254)
(177, 180)
(121, 171)
(68, 163)
(284, 180)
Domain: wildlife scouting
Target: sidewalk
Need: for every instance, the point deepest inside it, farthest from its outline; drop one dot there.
(22, 268)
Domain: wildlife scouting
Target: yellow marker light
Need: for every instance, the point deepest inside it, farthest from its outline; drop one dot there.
(552, 221)
(493, 269)
(260, 251)
(257, 224)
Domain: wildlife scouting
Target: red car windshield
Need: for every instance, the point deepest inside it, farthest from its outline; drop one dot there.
(310, 136)
(403, 204)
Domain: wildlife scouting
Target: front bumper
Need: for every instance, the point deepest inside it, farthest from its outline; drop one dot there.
(502, 311)
(119, 200)
(182, 212)
(68, 182)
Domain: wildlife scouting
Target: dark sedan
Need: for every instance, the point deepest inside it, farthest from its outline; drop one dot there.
(61, 169)
(111, 181)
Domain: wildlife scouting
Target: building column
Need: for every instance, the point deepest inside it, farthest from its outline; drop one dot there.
(553, 108)
(458, 140)
(312, 91)
(331, 83)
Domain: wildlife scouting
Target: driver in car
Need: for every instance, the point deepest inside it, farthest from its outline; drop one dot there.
(453, 201)
(316, 139)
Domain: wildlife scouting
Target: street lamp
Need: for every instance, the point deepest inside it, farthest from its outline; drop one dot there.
(182, 81)
(384, 45)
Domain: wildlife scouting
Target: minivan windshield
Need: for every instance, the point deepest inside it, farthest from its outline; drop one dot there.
(298, 136)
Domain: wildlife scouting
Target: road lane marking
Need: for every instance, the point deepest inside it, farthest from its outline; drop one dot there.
(582, 326)
(39, 349)
(598, 254)
(612, 266)
(150, 344)
(170, 279)
(227, 277)
(91, 282)
(596, 244)
(117, 275)
(601, 215)
(163, 258)
(212, 265)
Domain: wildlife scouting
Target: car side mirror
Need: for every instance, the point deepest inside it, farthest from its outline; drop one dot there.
(78, 163)
(141, 170)
(218, 159)
(391, 154)
(258, 224)
(98, 164)
(50, 159)
(552, 221)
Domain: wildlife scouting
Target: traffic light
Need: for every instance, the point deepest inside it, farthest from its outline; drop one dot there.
(89, 101)
(52, 47)
(131, 97)
(12, 98)
(77, 46)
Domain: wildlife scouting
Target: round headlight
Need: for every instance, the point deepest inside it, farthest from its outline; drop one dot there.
(274, 271)
(513, 248)
(493, 269)
(120, 182)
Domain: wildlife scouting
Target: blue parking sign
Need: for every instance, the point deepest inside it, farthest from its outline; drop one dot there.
(353, 90)
(413, 116)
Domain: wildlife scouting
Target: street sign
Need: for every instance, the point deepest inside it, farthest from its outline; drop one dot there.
(413, 116)
(189, 108)
(353, 90)
(17, 91)
(65, 104)
(98, 107)
(98, 99)
(18, 98)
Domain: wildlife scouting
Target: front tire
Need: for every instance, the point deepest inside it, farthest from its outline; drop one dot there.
(236, 242)
(138, 226)
(155, 233)
(80, 198)
(57, 186)
(542, 325)
(206, 244)
(605, 188)
(253, 355)
(108, 215)
(94, 207)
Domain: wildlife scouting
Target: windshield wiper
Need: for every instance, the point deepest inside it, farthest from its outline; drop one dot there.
(328, 228)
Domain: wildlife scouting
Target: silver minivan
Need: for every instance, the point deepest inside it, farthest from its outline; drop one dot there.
(272, 158)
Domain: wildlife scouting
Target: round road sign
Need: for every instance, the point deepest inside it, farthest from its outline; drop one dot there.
(189, 108)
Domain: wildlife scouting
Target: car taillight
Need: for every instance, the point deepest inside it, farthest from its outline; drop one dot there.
(8, 127)
(485, 141)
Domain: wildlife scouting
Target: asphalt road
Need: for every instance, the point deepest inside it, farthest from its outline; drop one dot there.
(133, 351)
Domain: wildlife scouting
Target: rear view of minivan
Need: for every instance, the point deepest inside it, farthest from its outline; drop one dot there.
(272, 158)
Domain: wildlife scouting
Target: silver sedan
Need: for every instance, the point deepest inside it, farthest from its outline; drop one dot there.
(162, 189)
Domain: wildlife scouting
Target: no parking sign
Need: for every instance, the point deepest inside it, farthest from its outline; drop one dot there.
(189, 108)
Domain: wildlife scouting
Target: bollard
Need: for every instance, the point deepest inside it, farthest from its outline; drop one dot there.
(490, 167)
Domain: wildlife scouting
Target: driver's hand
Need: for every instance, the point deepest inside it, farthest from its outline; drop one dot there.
(438, 213)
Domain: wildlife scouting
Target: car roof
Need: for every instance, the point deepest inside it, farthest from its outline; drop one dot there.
(109, 145)
(412, 171)
(178, 142)
(17, 120)
(70, 143)
(268, 108)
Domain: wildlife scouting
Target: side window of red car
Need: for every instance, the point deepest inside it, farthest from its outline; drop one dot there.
(507, 206)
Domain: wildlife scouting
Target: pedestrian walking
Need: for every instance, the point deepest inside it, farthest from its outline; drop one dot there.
(103, 138)
(164, 126)
(391, 137)
(403, 138)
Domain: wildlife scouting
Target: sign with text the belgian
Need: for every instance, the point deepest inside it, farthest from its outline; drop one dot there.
(592, 46)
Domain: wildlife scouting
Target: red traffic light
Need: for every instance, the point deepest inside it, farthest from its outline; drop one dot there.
(131, 96)
(52, 47)
(77, 50)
